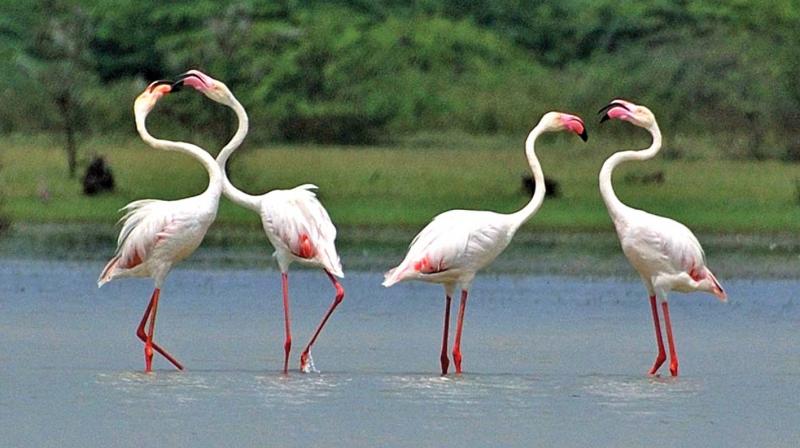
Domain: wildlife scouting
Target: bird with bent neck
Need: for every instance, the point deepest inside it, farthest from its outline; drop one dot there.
(665, 253)
(295, 222)
(458, 243)
(157, 234)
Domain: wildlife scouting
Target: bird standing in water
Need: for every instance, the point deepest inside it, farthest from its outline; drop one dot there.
(666, 253)
(458, 243)
(295, 222)
(157, 234)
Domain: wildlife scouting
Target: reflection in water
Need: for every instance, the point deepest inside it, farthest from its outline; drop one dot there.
(640, 395)
(138, 387)
(464, 394)
(298, 390)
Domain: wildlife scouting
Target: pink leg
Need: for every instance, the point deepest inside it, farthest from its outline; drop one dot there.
(673, 355)
(336, 301)
(149, 345)
(460, 325)
(287, 345)
(443, 358)
(661, 354)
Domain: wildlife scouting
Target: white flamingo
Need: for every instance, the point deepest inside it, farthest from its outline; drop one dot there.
(157, 234)
(458, 243)
(295, 222)
(666, 254)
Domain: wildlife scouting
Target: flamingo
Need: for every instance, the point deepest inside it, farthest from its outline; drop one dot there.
(295, 222)
(157, 234)
(453, 247)
(666, 253)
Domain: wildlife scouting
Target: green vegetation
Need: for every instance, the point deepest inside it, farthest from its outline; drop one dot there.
(355, 71)
(423, 93)
(380, 187)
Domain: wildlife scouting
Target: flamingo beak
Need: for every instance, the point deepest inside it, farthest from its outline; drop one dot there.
(575, 124)
(155, 86)
(584, 135)
(608, 112)
(188, 78)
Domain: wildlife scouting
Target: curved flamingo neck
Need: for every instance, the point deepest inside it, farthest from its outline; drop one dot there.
(214, 173)
(524, 214)
(613, 204)
(236, 195)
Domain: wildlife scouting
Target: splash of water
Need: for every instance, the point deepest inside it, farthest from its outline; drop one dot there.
(309, 366)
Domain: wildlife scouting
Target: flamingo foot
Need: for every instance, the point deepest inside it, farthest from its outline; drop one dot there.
(307, 363)
(148, 357)
(287, 347)
(673, 367)
(457, 362)
(445, 363)
(657, 364)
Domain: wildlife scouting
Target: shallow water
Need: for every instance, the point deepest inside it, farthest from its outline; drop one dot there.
(549, 361)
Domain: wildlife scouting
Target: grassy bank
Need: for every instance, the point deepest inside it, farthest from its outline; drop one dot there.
(405, 185)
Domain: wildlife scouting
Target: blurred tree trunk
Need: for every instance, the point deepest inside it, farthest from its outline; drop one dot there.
(66, 107)
(58, 56)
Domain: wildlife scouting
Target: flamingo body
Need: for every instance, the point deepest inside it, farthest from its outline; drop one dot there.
(453, 247)
(664, 252)
(294, 221)
(157, 234)
(299, 228)
(456, 244)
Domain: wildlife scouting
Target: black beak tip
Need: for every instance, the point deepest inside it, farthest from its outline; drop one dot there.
(584, 135)
(604, 118)
(177, 85)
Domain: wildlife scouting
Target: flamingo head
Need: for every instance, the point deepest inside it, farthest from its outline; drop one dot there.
(206, 85)
(625, 110)
(147, 100)
(557, 121)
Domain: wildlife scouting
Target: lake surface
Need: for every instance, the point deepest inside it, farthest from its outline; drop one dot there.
(549, 361)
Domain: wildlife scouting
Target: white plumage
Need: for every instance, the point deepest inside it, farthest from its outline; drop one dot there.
(295, 222)
(157, 234)
(454, 247)
(458, 243)
(666, 253)
(288, 216)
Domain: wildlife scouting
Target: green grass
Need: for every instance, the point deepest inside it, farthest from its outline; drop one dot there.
(406, 185)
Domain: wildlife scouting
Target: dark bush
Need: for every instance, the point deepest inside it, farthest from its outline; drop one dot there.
(98, 177)
(552, 188)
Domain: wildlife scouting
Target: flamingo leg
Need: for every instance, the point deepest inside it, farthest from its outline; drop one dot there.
(460, 325)
(673, 355)
(662, 356)
(443, 358)
(287, 345)
(304, 357)
(147, 338)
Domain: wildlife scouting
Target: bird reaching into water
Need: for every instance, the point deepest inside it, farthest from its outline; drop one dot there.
(458, 243)
(157, 234)
(666, 253)
(295, 222)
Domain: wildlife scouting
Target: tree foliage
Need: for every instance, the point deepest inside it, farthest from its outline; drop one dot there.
(357, 71)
